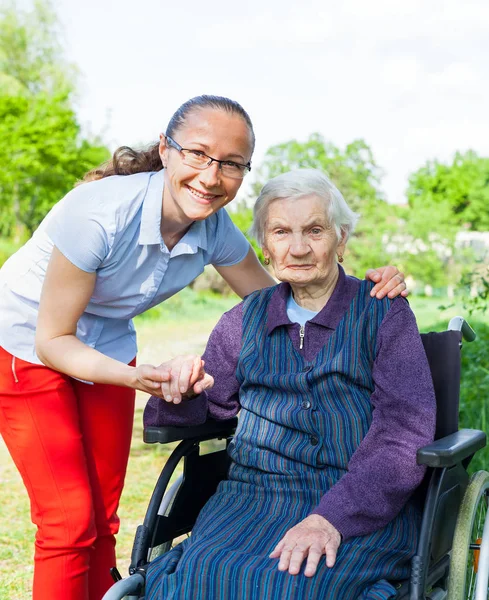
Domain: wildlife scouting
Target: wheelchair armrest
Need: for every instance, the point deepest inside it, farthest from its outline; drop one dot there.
(209, 430)
(452, 449)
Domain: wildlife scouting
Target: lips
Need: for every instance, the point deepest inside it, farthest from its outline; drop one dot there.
(202, 196)
(299, 266)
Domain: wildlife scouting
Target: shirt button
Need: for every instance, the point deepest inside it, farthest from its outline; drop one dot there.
(305, 404)
(314, 440)
(306, 369)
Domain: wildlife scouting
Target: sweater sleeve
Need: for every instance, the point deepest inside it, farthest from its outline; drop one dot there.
(382, 473)
(219, 402)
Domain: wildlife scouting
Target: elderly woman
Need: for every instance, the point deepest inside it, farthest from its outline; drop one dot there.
(335, 396)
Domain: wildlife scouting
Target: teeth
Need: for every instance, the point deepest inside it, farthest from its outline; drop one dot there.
(204, 196)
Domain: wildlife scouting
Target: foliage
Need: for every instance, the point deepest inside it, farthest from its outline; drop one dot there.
(41, 150)
(423, 244)
(474, 390)
(42, 157)
(31, 57)
(354, 170)
(242, 217)
(462, 185)
(474, 288)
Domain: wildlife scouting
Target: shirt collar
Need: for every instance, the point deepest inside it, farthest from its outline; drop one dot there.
(329, 316)
(151, 216)
(150, 232)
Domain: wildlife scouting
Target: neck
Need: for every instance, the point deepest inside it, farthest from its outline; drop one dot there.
(174, 223)
(315, 297)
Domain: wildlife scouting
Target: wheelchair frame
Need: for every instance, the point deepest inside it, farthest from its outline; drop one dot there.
(449, 499)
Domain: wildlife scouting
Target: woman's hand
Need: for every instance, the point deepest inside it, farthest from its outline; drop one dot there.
(147, 378)
(183, 377)
(389, 282)
(311, 538)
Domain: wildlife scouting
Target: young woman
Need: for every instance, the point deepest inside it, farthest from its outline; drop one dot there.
(139, 230)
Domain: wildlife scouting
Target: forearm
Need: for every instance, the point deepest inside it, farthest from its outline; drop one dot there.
(69, 355)
(372, 492)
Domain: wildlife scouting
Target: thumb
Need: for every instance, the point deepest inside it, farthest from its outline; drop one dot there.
(203, 384)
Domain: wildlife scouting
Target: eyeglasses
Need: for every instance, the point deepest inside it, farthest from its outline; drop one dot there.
(200, 160)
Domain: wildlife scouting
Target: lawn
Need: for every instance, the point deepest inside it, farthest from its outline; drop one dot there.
(181, 327)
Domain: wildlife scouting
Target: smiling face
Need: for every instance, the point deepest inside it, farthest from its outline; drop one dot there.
(300, 242)
(191, 194)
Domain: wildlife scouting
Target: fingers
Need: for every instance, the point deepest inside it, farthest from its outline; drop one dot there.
(309, 539)
(183, 374)
(178, 377)
(388, 282)
(313, 559)
(331, 550)
(204, 384)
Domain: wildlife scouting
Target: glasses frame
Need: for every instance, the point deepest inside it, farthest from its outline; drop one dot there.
(171, 142)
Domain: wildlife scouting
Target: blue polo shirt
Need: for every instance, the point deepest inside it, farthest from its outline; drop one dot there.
(111, 227)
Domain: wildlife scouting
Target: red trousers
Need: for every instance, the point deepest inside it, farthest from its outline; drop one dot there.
(70, 442)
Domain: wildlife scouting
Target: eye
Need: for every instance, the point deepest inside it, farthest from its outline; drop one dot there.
(316, 230)
(197, 153)
(231, 164)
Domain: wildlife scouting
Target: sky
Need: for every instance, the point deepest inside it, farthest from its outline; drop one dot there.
(410, 77)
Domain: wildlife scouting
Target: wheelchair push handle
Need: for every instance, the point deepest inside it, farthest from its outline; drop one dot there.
(460, 324)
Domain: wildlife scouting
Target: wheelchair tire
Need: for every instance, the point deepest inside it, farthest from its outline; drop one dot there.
(468, 530)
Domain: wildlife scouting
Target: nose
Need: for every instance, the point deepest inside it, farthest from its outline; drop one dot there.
(299, 245)
(211, 176)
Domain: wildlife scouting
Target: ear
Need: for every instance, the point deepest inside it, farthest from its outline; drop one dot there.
(340, 249)
(163, 150)
(266, 253)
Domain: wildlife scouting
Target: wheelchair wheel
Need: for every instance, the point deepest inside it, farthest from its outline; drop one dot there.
(165, 507)
(465, 569)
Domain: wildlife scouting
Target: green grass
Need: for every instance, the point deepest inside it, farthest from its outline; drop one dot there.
(182, 325)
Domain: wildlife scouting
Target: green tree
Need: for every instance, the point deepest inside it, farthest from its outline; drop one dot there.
(463, 185)
(31, 56)
(42, 151)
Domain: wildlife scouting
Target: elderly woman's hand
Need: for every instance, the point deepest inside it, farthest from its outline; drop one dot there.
(311, 538)
(389, 281)
(183, 377)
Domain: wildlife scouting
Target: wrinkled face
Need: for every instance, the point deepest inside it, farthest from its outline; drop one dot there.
(300, 242)
(194, 194)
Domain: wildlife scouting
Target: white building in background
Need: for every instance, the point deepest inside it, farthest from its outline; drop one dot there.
(477, 241)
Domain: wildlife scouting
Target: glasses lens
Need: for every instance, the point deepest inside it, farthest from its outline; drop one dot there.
(233, 170)
(195, 159)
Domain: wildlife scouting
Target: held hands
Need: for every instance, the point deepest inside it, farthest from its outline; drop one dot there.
(389, 282)
(311, 538)
(183, 377)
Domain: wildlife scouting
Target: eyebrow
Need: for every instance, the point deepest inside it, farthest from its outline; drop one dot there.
(313, 222)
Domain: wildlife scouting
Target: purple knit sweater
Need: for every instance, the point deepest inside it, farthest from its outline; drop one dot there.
(382, 473)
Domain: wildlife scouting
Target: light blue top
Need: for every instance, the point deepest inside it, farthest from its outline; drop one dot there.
(296, 313)
(111, 226)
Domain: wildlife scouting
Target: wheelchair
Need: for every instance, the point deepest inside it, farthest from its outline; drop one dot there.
(452, 558)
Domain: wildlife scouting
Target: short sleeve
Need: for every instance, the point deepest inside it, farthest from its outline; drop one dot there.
(229, 245)
(80, 227)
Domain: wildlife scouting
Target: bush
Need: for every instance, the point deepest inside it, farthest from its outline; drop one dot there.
(474, 390)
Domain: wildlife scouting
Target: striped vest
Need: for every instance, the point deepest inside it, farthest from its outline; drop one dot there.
(303, 419)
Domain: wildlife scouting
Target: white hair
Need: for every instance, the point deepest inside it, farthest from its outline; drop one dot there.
(297, 184)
